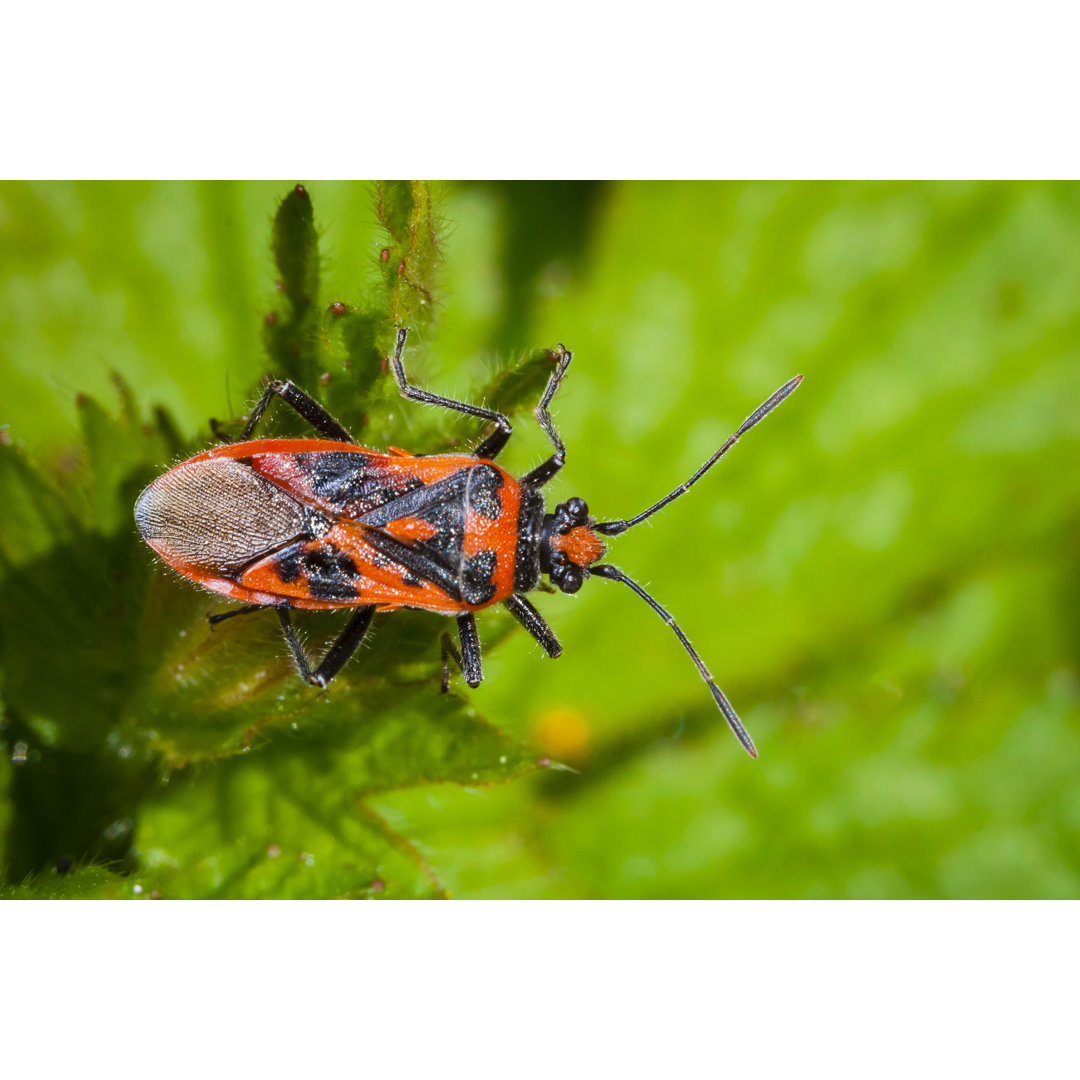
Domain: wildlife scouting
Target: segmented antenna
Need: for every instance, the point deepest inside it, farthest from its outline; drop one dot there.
(614, 528)
(613, 573)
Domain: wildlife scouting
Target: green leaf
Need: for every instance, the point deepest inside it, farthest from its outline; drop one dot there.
(289, 333)
(352, 341)
(410, 259)
(187, 758)
(290, 819)
(78, 883)
(520, 383)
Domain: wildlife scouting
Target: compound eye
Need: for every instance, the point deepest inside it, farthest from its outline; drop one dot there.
(570, 580)
(577, 510)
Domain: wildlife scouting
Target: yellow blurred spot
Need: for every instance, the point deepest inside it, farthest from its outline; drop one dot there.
(563, 732)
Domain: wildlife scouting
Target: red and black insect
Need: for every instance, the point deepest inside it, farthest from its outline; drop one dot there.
(326, 524)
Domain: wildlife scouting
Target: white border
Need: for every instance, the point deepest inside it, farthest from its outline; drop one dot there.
(771, 89)
(577, 989)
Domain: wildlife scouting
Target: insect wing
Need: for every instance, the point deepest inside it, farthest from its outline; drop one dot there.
(345, 483)
(215, 516)
(347, 568)
(435, 532)
(459, 533)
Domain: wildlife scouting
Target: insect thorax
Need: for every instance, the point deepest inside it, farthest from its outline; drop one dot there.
(530, 528)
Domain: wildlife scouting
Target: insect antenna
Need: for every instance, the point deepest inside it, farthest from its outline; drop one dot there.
(613, 573)
(614, 528)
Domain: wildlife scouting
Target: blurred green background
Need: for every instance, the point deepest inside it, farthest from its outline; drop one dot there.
(883, 576)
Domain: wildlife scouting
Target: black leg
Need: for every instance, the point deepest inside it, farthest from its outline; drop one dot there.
(218, 433)
(547, 469)
(491, 446)
(471, 666)
(247, 609)
(533, 621)
(306, 406)
(449, 652)
(468, 660)
(347, 643)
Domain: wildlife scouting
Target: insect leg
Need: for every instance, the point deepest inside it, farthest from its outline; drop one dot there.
(297, 650)
(218, 432)
(347, 643)
(533, 621)
(247, 609)
(471, 666)
(449, 652)
(302, 403)
(547, 469)
(468, 660)
(491, 446)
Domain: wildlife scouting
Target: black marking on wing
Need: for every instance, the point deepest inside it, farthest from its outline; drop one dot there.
(485, 482)
(416, 561)
(441, 559)
(419, 502)
(350, 481)
(329, 572)
(476, 574)
(441, 504)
